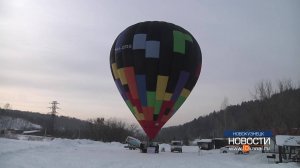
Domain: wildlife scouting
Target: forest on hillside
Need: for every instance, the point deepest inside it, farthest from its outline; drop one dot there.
(98, 129)
(270, 109)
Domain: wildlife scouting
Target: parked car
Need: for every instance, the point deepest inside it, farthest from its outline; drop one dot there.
(232, 149)
(176, 146)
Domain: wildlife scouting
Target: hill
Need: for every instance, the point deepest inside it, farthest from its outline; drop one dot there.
(280, 111)
(17, 124)
(106, 130)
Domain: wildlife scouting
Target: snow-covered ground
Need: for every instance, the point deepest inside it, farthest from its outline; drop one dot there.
(17, 124)
(65, 153)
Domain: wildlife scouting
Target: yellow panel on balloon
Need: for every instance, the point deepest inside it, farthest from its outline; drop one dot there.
(115, 70)
(167, 96)
(122, 76)
(161, 86)
(185, 92)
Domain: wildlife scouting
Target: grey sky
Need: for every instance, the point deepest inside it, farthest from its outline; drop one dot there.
(59, 50)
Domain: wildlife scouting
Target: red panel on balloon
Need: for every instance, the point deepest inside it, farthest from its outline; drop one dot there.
(151, 128)
(130, 76)
(148, 113)
(166, 108)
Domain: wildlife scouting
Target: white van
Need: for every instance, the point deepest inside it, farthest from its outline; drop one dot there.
(133, 143)
(176, 146)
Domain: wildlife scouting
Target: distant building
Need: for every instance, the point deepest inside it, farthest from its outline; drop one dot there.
(219, 142)
(288, 147)
(13, 131)
(208, 144)
(205, 144)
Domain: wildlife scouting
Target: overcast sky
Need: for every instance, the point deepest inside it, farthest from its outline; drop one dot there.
(59, 50)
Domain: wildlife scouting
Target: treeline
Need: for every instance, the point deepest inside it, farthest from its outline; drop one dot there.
(270, 110)
(65, 127)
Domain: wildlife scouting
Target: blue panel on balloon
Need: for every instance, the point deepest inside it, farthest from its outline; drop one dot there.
(183, 77)
(139, 41)
(141, 83)
(152, 49)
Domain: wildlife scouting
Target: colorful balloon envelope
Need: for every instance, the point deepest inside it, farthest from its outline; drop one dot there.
(155, 66)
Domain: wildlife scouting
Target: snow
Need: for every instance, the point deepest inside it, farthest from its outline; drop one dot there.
(62, 153)
(205, 140)
(287, 140)
(30, 132)
(16, 123)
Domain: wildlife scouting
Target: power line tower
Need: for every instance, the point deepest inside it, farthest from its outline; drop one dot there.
(53, 114)
(54, 108)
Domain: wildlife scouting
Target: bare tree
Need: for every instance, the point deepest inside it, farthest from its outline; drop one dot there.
(269, 89)
(135, 130)
(263, 90)
(7, 106)
(284, 85)
(224, 105)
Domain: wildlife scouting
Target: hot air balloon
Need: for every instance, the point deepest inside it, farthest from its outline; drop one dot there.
(155, 66)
